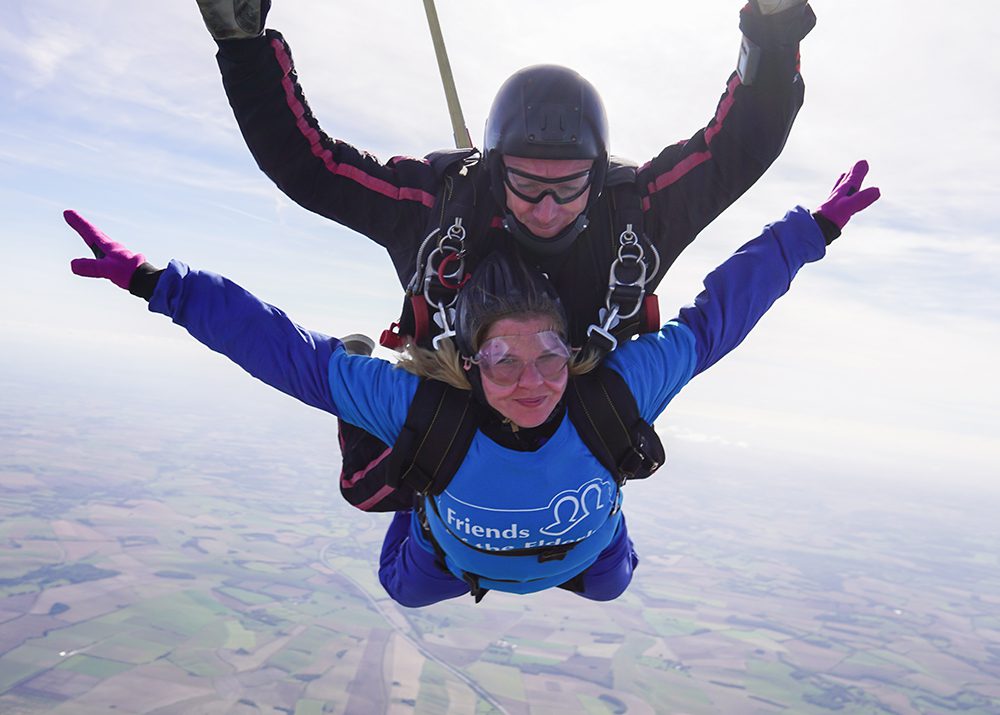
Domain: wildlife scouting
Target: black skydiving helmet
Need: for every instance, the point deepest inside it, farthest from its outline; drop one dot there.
(502, 286)
(546, 112)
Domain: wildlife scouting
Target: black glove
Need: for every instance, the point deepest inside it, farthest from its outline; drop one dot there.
(234, 19)
(777, 23)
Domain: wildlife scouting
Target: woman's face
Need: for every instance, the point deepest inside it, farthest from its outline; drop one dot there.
(529, 342)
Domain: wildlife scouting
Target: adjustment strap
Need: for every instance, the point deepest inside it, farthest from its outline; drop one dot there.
(477, 591)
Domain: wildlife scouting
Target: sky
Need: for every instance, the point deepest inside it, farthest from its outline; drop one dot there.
(880, 361)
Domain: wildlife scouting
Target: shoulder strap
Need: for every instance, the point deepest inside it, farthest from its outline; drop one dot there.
(621, 171)
(605, 414)
(623, 184)
(443, 160)
(629, 308)
(457, 197)
(457, 171)
(439, 427)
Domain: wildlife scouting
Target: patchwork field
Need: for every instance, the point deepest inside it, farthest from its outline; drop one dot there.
(190, 569)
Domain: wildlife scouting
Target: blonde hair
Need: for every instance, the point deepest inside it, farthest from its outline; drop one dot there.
(443, 364)
(446, 365)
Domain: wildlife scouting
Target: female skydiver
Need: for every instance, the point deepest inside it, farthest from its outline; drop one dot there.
(528, 482)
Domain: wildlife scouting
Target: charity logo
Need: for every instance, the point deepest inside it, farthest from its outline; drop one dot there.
(555, 523)
(571, 507)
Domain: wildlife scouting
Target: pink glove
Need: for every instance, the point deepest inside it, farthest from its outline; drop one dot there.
(112, 260)
(846, 198)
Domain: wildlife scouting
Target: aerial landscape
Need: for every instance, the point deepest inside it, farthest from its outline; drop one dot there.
(822, 539)
(173, 565)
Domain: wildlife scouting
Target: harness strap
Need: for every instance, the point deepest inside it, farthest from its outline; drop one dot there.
(473, 580)
(628, 310)
(475, 588)
(439, 428)
(604, 412)
(575, 584)
(421, 316)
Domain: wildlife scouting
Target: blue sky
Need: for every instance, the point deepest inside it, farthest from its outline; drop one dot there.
(880, 360)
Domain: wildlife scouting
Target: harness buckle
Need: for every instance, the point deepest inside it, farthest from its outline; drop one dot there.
(553, 554)
(645, 456)
(475, 589)
(600, 335)
(444, 318)
(617, 506)
(628, 270)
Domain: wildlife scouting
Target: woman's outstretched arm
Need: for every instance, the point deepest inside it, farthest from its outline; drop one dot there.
(735, 296)
(218, 313)
(741, 290)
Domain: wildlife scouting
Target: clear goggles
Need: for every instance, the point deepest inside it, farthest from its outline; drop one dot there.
(533, 189)
(503, 359)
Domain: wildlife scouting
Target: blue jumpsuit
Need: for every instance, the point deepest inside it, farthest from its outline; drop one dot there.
(499, 498)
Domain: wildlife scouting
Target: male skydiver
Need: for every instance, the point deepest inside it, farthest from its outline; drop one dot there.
(602, 229)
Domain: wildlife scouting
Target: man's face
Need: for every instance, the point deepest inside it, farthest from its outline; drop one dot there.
(546, 218)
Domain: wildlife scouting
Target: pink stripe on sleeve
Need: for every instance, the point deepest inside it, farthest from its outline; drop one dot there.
(692, 160)
(376, 498)
(325, 155)
(680, 169)
(353, 479)
(724, 106)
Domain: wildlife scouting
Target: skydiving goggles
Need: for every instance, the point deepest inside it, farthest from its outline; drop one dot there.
(533, 189)
(502, 359)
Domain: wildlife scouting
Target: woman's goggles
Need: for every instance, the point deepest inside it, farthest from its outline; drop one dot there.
(503, 359)
(533, 189)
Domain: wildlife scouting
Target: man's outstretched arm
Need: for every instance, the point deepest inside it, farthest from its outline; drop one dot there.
(693, 181)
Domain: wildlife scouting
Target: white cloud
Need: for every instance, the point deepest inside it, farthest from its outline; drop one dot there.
(117, 108)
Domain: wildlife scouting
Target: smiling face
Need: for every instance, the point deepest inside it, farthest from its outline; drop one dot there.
(530, 400)
(547, 218)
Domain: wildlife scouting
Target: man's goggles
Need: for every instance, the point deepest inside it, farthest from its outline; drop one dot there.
(504, 359)
(533, 189)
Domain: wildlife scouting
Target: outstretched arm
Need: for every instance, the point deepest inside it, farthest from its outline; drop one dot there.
(221, 315)
(387, 202)
(693, 181)
(309, 366)
(735, 296)
(741, 290)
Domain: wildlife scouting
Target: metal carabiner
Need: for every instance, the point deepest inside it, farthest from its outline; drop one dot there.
(629, 239)
(456, 232)
(420, 269)
(457, 278)
(629, 251)
(614, 282)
